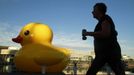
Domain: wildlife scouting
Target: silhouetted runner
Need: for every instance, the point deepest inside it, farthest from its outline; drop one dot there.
(107, 49)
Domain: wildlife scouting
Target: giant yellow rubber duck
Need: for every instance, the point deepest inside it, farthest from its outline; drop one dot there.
(37, 50)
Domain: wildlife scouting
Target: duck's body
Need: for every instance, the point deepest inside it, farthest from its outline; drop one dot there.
(34, 54)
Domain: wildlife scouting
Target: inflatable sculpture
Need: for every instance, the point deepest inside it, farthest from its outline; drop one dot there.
(37, 50)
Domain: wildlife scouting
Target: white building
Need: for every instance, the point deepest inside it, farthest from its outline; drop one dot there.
(81, 55)
(6, 58)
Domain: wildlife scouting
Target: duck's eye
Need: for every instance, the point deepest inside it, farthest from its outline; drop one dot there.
(27, 32)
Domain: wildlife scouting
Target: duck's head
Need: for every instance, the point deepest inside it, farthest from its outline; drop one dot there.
(34, 33)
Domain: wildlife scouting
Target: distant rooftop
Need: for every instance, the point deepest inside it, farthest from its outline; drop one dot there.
(4, 47)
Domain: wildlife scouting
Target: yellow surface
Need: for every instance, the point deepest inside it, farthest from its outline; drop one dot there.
(37, 50)
(39, 33)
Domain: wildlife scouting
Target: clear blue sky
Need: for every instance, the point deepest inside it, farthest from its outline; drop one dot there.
(67, 18)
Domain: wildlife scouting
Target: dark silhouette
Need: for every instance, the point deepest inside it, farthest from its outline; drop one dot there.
(83, 36)
(107, 49)
(75, 68)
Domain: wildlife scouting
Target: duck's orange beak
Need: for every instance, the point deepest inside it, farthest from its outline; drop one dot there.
(18, 39)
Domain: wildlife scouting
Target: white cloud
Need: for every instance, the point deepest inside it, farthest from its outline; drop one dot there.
(72, 41)
(131, 48)
(127, 47)
(7, 32)
(126, 44)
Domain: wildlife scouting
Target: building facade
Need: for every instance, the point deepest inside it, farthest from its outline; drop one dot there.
(6, 59)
